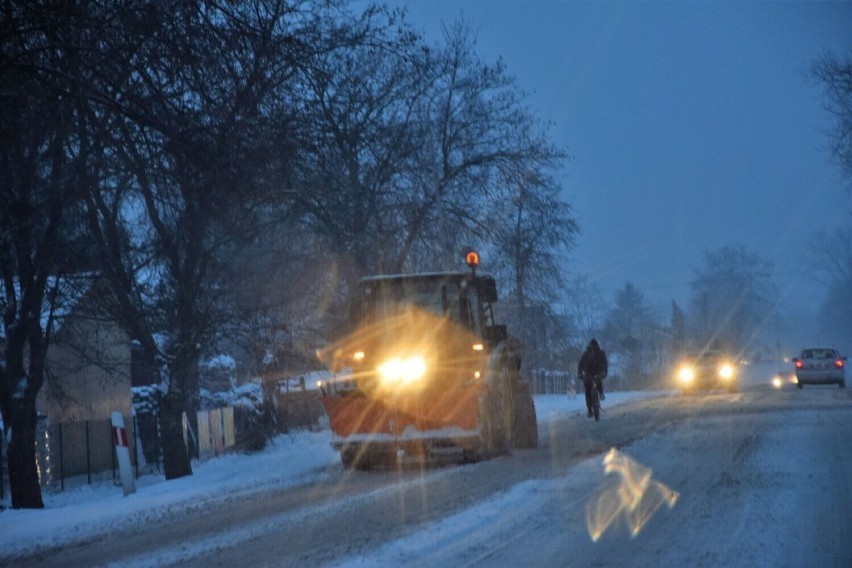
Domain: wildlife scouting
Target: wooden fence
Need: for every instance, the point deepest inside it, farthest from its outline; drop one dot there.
(215, 431)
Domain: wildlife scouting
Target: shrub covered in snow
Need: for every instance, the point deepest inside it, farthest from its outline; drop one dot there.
(248, 396)
(219, 373)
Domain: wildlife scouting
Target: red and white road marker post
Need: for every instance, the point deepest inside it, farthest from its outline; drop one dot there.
(122, 453)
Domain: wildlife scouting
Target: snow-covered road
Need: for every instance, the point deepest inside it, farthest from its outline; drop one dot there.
(751, 489)
(760, 478)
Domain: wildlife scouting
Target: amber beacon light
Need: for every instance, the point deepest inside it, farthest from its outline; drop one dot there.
(472, 260)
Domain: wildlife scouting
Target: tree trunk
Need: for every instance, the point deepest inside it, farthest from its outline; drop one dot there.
(176, 460)
(182, 397)
(20, 418)
(18, 404)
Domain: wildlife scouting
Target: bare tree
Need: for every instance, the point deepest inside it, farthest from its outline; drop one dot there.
(532, 230)
(831, 262)
(586, 307)
(484, 164)
(835, 75)
(832, 252)
(191, 129)
(634, 336)
(40, 170)
(357, 138)
(416, 152)
(678, 328)
(733, 298)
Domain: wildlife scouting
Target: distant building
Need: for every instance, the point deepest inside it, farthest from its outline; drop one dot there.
(88, 371)
(87, 378)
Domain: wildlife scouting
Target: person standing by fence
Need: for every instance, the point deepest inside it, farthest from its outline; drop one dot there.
(571, 389)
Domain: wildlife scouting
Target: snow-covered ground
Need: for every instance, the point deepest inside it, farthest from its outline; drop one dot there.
(290, 460)
(768, 492)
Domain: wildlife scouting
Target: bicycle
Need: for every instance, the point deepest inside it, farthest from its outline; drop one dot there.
(594, 398)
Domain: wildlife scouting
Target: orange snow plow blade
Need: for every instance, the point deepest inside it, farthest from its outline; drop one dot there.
(355, 414)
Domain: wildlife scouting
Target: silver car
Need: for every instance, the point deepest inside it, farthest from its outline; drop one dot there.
(820, 366)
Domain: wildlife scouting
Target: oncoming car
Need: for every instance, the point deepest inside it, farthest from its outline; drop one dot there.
(707, 370)
(820, 366)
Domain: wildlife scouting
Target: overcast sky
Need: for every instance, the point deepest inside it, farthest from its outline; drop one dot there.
(691, 125)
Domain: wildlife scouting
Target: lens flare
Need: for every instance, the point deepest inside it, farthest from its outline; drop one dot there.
(631, 495)
(402, 370)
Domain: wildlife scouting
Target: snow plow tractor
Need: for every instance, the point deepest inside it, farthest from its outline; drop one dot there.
(427, 374)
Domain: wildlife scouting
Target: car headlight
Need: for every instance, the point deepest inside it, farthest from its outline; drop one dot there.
(401, 371)
(726, 371)
(686, 374)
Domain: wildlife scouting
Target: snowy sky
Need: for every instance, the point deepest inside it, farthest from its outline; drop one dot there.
(691, 126)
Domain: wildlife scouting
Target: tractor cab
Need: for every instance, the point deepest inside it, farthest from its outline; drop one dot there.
(462, 299)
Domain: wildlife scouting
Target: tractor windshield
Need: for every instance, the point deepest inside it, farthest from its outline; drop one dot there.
(456, 297)
(392, 297)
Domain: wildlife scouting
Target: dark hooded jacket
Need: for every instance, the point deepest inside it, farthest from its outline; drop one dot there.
(593, 362)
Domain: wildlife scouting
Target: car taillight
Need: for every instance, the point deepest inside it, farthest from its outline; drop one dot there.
(799, 364)
(838, 363)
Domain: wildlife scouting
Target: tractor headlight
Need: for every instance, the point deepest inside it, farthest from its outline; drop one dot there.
(402, 371)
(726, 371)
(686, 374)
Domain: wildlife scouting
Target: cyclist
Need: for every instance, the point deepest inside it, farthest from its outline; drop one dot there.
(592, 369)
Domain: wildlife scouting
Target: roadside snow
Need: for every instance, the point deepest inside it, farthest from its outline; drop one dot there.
(100, 508)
